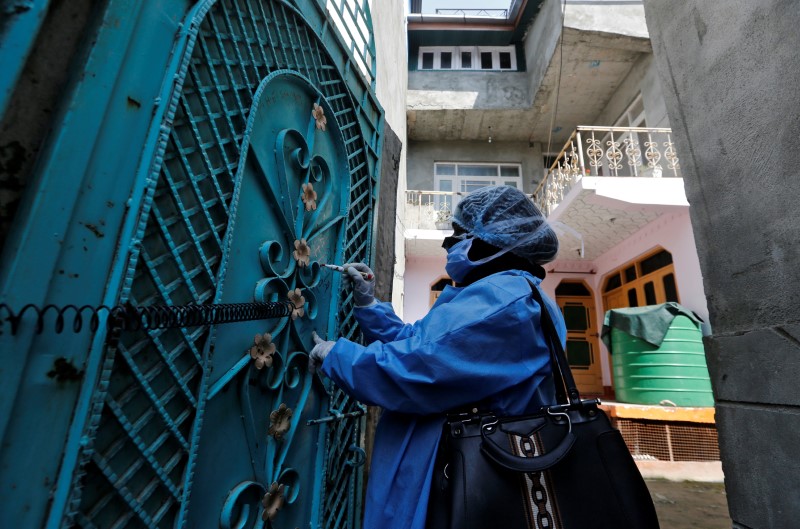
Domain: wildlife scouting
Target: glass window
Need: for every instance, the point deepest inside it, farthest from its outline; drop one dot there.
(613, 282)
(509, 170)
(579, 354)
(468, 186)
(576, 317)
(650, 293)
(443, 282)
(446, 60)
(477, 170)
(649, 281)
(633, 300)
(467, 57)
(468, 177)
(637, 108)
(446, 169)
(655, 262)
(569, 288)
(670, 289)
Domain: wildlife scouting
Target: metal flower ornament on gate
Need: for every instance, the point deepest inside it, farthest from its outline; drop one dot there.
(289, 206)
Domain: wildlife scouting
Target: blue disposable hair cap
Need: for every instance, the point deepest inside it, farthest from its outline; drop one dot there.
(506, 218)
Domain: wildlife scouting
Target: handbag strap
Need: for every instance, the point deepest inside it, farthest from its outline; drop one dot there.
(566, 389)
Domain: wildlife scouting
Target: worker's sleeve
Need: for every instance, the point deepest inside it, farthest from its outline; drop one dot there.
(457, 355)
(379, 322)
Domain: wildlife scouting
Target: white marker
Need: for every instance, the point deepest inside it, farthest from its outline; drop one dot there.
(338, 268)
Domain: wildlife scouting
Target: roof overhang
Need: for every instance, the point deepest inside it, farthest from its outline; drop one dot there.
(601, 212)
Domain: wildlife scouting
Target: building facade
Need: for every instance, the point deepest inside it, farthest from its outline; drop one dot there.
(576, 119)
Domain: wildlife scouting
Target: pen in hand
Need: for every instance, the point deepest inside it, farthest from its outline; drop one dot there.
(338, 268)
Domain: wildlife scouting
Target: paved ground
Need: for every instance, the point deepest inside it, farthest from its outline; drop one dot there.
(690, 504)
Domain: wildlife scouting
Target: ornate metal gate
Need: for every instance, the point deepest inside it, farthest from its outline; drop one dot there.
(265, 166)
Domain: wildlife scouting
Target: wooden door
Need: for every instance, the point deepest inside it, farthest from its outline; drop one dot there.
(582, 351)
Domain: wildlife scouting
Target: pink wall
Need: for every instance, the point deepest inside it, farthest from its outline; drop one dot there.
(673, 232)
(420, 274)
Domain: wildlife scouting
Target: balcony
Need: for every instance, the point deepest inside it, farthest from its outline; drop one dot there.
(634, 152)
(494, 13)
(429, 210)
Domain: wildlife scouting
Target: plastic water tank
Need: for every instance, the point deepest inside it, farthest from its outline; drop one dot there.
(675, 372)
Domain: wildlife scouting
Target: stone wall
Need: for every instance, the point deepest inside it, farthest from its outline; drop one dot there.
(388, 22)
(730, 72)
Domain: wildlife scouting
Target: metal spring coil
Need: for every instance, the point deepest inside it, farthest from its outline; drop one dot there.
(130, 318)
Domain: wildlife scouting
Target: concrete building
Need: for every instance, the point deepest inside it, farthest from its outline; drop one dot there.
(567, 106)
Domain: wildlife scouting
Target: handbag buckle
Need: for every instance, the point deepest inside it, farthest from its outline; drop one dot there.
(489, 426)
(558, 414)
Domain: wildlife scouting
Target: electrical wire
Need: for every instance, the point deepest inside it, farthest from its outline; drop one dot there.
(558, 83)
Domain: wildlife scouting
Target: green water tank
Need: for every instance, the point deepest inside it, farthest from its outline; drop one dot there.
(675, 372)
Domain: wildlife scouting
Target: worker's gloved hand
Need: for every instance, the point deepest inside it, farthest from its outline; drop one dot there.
(319, 352)
(363, 289)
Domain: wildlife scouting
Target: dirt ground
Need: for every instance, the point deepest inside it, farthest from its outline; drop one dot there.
(690, 504)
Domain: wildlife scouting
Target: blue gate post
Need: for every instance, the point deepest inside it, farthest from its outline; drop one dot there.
(131, 202)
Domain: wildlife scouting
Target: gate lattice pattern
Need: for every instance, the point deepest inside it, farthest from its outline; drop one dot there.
(137, 470)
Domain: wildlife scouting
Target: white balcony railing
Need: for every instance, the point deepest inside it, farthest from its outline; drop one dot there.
(429, 210)
(607, 151)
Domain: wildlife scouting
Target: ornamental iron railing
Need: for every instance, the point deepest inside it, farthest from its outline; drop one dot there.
(607, 151)
(429, 210)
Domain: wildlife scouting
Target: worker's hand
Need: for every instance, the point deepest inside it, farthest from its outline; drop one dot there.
(363, 289)
(319, 352)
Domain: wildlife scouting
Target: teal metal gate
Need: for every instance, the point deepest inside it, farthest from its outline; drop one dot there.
(263, 164)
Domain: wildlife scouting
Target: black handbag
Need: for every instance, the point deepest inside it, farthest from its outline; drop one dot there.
(565, 467)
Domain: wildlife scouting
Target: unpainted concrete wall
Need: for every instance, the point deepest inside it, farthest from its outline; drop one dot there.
(391, 88)
(607, 16)
(730, 73)
(598, 17)
(422, 155)
(643, 78)
(434, 90)
(541, 41)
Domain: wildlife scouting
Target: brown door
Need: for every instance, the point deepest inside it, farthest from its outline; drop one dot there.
(582, 351)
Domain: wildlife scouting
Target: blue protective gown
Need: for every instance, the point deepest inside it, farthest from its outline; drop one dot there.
(479, 343)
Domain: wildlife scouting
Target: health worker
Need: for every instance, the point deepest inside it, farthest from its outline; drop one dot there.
(480, 344)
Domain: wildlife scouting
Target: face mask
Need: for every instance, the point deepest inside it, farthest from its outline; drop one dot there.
(458, 264)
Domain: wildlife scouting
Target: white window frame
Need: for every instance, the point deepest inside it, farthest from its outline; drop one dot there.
(458, 180)
(627, 119)
(476, 51)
